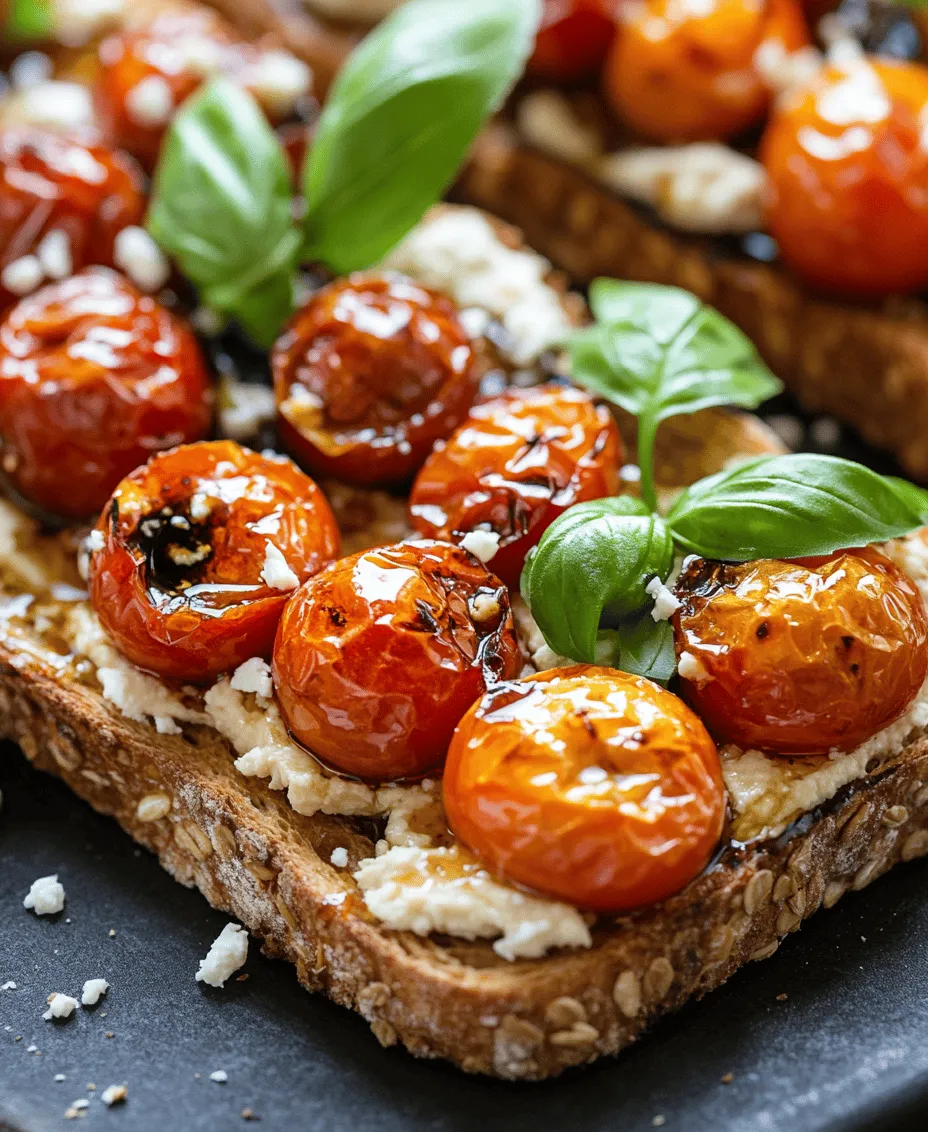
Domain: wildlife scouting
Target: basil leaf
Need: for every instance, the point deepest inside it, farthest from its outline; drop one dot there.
(221, 206)
(659, 352)
(594, 561)
(792, 506)
(400, 118)
(645, 648)
(28, 19)
(917, 496)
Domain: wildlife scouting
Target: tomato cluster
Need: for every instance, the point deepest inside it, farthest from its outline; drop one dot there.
(94, 378)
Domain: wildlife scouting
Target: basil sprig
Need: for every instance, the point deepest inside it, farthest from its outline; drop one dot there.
(400, 118)
(222, 206)
(395, 129)
(27, 20)
(659, 352)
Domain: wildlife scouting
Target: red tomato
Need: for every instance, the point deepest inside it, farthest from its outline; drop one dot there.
(588, 785)
(146, 73)
(681, 72)
(801, 657)
(94, 378)
(848, 165)
(379, 656)
(573, 39)
(516, 463)
(87, 192)
(202, 547)
(370, 373)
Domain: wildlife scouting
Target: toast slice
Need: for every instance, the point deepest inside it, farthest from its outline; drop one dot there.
(866, 365)
(253, 856)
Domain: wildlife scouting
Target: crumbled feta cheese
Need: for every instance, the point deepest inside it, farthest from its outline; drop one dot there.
(244, 409)
(64, 107)
(78, 21)
(93, 990)
(219, 1076)
(456, 250)
(29, 69)
(59, 1006)
(200, 507)
(280, 80)
(691, 668)
(547, 121)
(666, 603)
(444, 890)
(22, 276)
(96, 540)
(782, 70)
(702, 187)
(140, 258)
(9, 985)
(339, 857)
(46, 896)
(150, 102)
(275, 572)
(254, 676)
(54, 254)
(60, 1077)
(227, 953)
(481, 544)
(114, 1094)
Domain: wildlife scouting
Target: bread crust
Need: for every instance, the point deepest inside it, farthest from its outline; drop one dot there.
(867, 366)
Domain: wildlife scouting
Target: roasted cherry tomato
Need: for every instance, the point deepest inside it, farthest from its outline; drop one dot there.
(680, 72)
(573, 39)
(88, 193)
(801, 657)
(94, 378)
(146, 73)
(379, 656)
(508, 472)
(847, 160)
(201, 549)
(370, 373)
(587, 784)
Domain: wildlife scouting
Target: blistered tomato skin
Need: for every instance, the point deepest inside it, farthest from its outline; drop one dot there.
(681, 73)
(847, 162)
(94, 378)
(588, 785)
(516, 464)
(573, 40)
(370, 373)
(379, 656)
(801, 657)
(180, 584)
(88, 192)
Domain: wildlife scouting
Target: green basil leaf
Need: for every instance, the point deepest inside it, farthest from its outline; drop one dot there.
(400, 118)
(28, 20)
(645, 648)
(792, 506)
(595, 560)
(221, 206)
(917, 496)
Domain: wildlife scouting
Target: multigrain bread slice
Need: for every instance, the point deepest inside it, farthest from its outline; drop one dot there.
(251, 855)
(866, 365)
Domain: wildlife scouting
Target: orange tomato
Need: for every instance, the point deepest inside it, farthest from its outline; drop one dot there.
(801, 657)
(181, 583)
(94, 378)
(517, 462)
(682, 72)
(847, 160)
(573, 39)
(379, 656)
(369, 374)
(588, 785)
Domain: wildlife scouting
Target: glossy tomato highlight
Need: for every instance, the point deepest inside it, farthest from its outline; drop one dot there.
(370, 373)
(517, 462)
(379, 656)
(588, 785)
(94, 378)
(202, 547)
(800, 657)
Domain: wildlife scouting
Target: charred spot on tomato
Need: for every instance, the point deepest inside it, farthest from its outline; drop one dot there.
(182, 583)
(512, 467)
(379, 655)
(801, 657)
(588, 785)
(371, 372)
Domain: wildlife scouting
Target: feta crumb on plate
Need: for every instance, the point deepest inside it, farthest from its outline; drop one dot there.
(93, 990)
(228, 952)
(219, 1076)
(339, 857)
(59, 1006)
(46, 896)
(114, 1094)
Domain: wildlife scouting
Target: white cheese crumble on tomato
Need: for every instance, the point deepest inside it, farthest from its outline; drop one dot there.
(141, 259)
(150, 102)
(275, 572)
